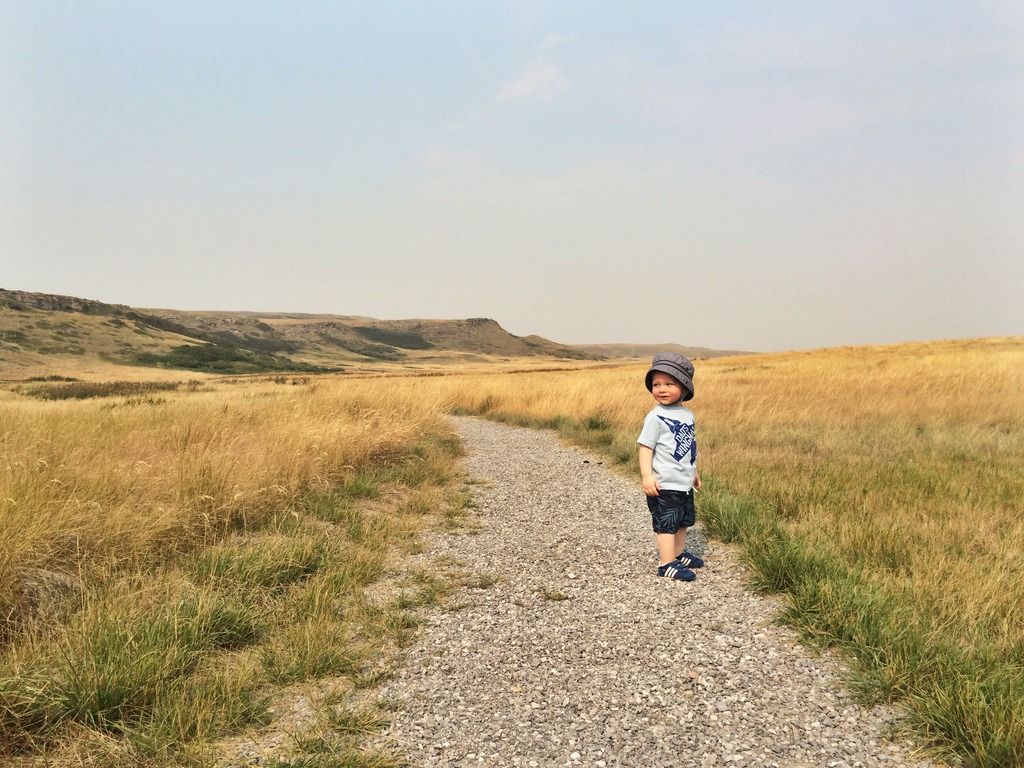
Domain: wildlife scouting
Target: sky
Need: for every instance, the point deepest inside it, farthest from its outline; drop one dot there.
(743, 175)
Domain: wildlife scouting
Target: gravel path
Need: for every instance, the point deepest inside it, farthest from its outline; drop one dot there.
(578, 655)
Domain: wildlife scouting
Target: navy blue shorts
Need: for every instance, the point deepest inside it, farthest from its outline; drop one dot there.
(671, 510)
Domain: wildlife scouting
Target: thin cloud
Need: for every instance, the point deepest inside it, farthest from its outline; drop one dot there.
(540, 80)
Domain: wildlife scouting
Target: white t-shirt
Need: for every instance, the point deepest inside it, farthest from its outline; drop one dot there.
(669, 431)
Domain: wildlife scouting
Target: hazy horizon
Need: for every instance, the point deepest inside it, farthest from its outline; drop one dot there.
(732, 176)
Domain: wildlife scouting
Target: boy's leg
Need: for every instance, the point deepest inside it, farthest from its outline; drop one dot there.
(686, 558)
(665, 520)
(668, 566)
(666, 543)
(680, 543)
(689, 517)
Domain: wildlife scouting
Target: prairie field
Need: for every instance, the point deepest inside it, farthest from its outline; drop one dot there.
(174, 556)
(879, 488)
(172, 560)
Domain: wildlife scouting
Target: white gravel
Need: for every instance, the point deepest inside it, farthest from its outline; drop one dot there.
(628, 669)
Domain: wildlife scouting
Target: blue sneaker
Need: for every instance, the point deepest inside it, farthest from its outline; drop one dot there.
(675, 570)
(690, 560)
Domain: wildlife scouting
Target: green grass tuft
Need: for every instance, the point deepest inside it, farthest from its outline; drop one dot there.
(310, 649)
(270, 564)
(364, 485)
(110, 673)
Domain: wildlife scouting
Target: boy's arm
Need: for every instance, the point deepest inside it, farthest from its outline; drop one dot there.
(647, 480)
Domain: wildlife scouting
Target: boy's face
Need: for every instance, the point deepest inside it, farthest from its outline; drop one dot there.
(666, 390)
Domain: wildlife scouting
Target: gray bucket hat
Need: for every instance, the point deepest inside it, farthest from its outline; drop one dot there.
(676, 366)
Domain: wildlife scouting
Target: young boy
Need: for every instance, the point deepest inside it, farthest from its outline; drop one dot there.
(668, 463)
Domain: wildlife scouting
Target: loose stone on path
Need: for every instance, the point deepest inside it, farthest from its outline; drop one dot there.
(579, 656)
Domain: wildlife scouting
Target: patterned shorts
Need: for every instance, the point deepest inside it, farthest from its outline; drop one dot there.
(671, 510)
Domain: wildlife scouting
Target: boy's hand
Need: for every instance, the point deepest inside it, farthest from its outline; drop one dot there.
(647, 479)
(696, 482)
(650, 485)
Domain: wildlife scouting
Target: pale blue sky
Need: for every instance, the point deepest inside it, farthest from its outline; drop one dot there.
(739, 174)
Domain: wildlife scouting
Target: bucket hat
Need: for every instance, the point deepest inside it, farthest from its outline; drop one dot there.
(676, 366)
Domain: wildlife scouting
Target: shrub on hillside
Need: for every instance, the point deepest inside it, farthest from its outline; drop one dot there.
(80, 390)
(220, 358)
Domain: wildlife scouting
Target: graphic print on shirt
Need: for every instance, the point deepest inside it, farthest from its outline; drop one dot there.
(685, 440)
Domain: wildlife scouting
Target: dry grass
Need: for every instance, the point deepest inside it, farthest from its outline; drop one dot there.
(880, 486)
(168, 563)
(97, 484)
(908, 456)
(903, 459)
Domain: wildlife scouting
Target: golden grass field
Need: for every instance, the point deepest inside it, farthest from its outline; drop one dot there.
(879, 488)
(171, 562)
(103, 482)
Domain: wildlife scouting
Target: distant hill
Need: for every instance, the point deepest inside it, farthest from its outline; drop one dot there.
(41, 332)
(318, 337)
(45, 334)
(649, 350)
